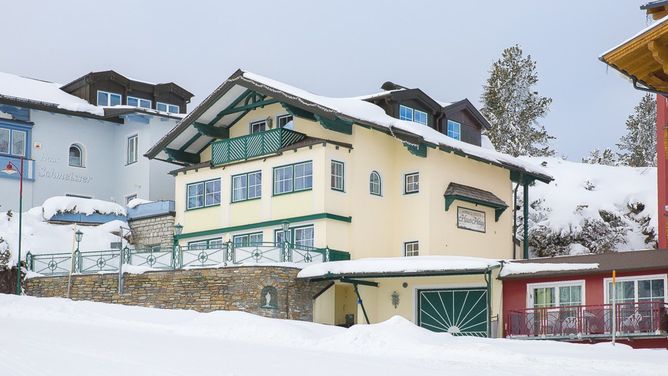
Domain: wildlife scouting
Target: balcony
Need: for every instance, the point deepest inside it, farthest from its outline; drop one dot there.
(645, 319)
(253, 145)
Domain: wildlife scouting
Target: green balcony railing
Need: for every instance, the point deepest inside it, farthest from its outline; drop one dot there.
(227, 254)
(253, 145)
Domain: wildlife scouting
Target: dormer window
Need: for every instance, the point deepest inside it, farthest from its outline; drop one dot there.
(454, 130)
(138, 102)
(166, 107)
(105, 98)
(411, 114)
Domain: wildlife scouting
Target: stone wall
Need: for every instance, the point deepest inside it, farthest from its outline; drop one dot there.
(8, 280)
(153, 231)
(228, 288)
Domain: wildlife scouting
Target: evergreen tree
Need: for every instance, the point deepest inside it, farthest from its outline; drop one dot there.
(638, 146)
(513, 107)
(606, 158)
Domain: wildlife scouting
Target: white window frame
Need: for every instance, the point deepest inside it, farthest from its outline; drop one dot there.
(281, 117)
(108, 94)
(248, 236)
(413, 251)
(380, 184)
(406, 176)
(22, 153)
(337, 179)
(458, 133)
(293, 178)
(169, 108)
(407, 108)
(248, 193)
(426, 117)
(635, 279)
(531, 286)
(204, 194)
(139, 100)
(132, 147)
(9, 141)
(292, 234)
(81, 156)
(252, 124)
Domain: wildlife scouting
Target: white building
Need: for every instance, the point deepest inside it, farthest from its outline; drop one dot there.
(86, 138)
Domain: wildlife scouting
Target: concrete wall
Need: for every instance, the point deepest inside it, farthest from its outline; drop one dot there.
(203, 290)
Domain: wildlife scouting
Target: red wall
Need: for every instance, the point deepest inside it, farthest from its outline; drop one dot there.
(515, 296)
(662, 173)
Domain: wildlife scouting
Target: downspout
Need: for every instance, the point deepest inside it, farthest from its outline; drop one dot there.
(526, 218)
(488, 281)
(361, 303)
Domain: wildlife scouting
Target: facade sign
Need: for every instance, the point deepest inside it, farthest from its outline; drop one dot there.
(470, 219)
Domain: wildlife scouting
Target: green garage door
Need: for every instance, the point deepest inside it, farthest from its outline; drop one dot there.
(456, 311)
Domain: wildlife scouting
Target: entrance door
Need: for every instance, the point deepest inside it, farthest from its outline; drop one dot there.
(457, 311)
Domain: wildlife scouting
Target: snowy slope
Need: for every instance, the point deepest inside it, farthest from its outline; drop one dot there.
(582, 191)
(61, 337)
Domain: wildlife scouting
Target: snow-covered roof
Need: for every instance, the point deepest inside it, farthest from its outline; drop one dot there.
(641, 32)
(13, 86)
(513, 268)
(87, 206)
(398, 265)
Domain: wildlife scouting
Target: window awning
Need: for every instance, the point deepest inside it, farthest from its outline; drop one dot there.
(476, 196)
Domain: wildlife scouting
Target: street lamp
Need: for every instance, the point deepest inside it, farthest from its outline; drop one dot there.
(178, 229)
(11, 169)
(78, 236)
(286, 245)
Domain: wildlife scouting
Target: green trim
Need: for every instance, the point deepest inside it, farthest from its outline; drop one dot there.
(273, 179)
(419, 150)
(525, 244)
(246, 107)
(358, 282)
(274, 222)
(403, 275)
(232, 201)
(292, 232)
(298, 112)
(190, 142)
(204, 205)
(232, 105)
(209, 240)
(343, 175)
(183, 156)
(337, 124)
(211, 131)
(498, 208)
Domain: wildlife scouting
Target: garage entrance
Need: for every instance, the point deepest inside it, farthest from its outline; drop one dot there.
(461, 311)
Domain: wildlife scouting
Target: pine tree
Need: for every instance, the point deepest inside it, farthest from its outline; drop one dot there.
(606, 158)
(638, 146)
(513, 107)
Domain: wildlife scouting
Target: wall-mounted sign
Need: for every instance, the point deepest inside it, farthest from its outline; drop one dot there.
(470, 219)
(269, 297)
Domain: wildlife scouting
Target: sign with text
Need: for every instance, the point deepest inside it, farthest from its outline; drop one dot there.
(470, 219)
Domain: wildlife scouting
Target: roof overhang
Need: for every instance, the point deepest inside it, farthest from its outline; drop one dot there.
(434, 273)
(643, 58)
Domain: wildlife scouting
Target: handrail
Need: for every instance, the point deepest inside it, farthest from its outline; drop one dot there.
(252, 145)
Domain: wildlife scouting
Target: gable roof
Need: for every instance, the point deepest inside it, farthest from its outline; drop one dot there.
(466, 104)
(186, 137)
(472, 193)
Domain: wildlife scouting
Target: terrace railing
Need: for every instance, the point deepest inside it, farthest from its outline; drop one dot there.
(253, 145)
(640, 319)
(107, 261)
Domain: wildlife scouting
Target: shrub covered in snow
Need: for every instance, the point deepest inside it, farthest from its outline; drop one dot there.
(591, 208)
(87, 206)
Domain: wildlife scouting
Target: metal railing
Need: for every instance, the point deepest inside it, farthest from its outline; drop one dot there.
(107, 261)
(589, 321)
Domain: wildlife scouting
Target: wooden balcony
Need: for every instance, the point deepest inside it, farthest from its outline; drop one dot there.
(253, 145)
(633, 320)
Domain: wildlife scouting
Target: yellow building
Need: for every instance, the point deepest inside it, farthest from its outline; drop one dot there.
(272, 172)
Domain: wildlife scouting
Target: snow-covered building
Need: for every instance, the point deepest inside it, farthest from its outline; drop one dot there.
(86, 138)
(392, 175)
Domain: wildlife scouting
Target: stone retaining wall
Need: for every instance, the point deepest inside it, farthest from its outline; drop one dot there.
(153, 231)
(247, 289)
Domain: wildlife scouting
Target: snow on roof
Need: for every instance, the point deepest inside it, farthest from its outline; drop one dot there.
(369, 112)
(643, 31)
(511, 268)
(87, 206)
(137, 201)
(376, 95)
(390, 265)
(43, 91)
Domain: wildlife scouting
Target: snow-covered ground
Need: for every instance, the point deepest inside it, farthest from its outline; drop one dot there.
(581, 191)
(60, 337)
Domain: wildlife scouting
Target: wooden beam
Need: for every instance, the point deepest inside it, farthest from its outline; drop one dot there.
(211, 131)
(232, 105)
(182, 156)
(659, 51)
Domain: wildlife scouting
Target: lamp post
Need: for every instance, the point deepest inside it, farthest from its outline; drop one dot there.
(78, 235)
(286, 243)
(11, 169)
(178, 229)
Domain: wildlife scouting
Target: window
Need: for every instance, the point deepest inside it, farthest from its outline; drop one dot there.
(283, 120)
(637, 289)
(337, 176)
(166, 107)
(138, 102)
(206, 244)
(13, 142)
(293, 178)
(375, 184)
(560, 294)
(420, 117)
(132, 149)
(203, 194)
(246, 240)
(405, 113)
(76, 156)
(454, 130)
(246, 186)
(304, 236)
(130, 198)
(411, 249)
(105, 98)
(412, 183)
(258, 126)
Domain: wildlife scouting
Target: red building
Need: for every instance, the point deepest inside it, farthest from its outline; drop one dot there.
(576, 305)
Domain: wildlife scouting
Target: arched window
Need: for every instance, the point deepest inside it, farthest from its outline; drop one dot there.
(76, 156)
(375, 183)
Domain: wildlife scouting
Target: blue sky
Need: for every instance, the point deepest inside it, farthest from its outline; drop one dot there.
(342, 48)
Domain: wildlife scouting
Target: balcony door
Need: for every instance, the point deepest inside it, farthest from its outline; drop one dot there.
(555, 307)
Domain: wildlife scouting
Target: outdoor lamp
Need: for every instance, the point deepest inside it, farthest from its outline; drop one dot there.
(178, 229)
(286, 226)
(78, 236)
(9, 169)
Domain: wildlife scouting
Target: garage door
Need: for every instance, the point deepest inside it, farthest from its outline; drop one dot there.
(456, 311)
